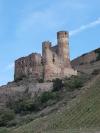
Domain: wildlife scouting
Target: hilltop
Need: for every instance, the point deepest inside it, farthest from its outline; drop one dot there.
(71, 108)
(81, 114)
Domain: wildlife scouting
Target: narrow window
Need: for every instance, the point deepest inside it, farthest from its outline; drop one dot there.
(53, 60)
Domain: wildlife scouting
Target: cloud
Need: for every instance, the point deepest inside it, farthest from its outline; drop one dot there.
(54, 16)
(9, 67)
(85, 27)
(38, 20)
(72, 4)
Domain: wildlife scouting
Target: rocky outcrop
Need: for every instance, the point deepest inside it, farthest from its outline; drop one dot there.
(14, 90)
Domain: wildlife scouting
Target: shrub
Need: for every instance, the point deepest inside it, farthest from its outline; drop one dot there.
(41, 80)
(96, 72)
(18, 121)
(46, 96)
(57, 84)
(24, 106)
(27, 105)
(6, 115)
(98, 57)
(97, 51)
(4, 130)
(73, 83)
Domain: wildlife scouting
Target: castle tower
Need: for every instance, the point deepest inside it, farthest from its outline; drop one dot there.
(46, 52)
(63, 47)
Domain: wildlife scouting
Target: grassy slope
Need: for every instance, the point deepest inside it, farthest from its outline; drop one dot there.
(81, 113)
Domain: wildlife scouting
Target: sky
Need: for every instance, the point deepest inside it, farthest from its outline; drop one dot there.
(25, 24)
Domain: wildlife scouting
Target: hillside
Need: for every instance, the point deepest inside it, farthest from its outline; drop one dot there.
(79, 115)
(73, 109)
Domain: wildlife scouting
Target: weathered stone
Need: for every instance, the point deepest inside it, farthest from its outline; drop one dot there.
(87, 62)
(54, 62)
(85, 59)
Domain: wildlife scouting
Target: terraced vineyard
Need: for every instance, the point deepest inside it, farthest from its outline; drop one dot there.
(80, 115)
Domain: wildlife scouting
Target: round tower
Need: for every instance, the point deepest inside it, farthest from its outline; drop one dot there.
(63, 47)
(46, 52)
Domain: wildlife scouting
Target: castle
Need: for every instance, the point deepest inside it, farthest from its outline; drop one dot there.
(54, 62)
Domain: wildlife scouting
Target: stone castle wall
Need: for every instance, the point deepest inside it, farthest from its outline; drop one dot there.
(88, 62)
(85, 59)
(27, 66)
(54, 62)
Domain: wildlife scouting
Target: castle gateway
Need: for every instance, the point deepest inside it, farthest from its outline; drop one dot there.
(54, 62)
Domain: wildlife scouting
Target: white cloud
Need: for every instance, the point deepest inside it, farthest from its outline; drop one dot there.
(38, 20)
(53, 17)
(85, 27)
(72, 4)
(9, 67)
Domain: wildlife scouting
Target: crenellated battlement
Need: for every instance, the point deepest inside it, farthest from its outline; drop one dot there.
(62, 34)
(46, 44)
(54, 62)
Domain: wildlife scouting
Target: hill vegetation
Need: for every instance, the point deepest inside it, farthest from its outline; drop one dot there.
(72, 106)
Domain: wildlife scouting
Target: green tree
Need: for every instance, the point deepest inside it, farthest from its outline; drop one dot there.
(6, 115)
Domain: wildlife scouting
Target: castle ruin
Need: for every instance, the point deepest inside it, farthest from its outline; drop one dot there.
(54, 62)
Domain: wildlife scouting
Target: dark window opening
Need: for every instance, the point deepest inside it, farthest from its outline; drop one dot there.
(53, 58)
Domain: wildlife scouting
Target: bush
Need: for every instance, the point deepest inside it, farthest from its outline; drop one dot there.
(73, 83)
(57, 84)
(41, 80)
(97, 51)
(27, 105)
(24, 106)
(96, 72)
(4, 130)
(98, 57)
(46, 96)
(18, 121)
(6, 115)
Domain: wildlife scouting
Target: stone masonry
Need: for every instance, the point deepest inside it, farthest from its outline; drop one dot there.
(84, 59)
(87, 62)
(54, 62)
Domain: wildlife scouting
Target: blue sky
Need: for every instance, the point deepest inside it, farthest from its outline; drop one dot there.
(24, 24)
